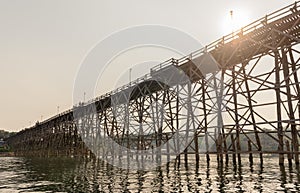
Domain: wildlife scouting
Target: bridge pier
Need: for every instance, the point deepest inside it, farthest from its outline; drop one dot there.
(292, 123)
(227, 105)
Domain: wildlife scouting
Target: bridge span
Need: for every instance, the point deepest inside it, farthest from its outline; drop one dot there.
(238, 95)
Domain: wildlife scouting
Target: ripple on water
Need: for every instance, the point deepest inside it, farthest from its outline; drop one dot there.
(78, 175)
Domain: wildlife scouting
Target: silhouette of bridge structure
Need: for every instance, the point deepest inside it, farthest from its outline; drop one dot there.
(241, 96)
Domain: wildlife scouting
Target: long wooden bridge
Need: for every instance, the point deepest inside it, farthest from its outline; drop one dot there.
(240, 94)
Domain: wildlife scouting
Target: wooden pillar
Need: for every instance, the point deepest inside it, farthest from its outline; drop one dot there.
(278, 100)
(218, 133)
(172, 126)
(233, 149)
(186, 157)
(220, 108)
(236, 118)
(128, 147)
(205, 118)
(252, 114)
(177, 126)
(193, 124)
(196, 147)
(189, 121)
(106, 148)
(296, 80)
(112, 135)
(160, 128)
(168, 149)
(289, 154)
(250, 153)
(285, 66)
(126, 131)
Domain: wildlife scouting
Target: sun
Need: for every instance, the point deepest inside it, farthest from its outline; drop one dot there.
(234, 20)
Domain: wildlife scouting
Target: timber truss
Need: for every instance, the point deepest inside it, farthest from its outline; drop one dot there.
(241, 89)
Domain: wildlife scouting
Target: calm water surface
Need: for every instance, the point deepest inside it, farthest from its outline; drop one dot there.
(77, 175)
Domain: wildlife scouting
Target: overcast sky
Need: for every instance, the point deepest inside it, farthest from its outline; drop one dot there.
(43, 42)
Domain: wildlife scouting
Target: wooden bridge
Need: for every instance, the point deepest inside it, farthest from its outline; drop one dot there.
(233, 95)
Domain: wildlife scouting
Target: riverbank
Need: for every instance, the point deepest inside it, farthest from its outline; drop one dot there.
(7, 154)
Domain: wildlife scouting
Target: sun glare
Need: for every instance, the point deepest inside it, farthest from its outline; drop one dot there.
(234, 20)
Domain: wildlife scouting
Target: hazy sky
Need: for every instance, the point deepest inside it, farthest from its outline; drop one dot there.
(43, 42)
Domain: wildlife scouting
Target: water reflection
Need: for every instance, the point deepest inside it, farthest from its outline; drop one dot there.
(79, 175)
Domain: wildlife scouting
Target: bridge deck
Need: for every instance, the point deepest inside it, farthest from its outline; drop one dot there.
(266, 34)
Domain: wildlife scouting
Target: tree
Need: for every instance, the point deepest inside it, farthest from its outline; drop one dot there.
(5, 134)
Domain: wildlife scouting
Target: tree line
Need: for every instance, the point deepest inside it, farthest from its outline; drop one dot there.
(5, 134)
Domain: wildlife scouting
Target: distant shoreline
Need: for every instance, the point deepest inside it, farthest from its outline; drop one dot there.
(7, 154)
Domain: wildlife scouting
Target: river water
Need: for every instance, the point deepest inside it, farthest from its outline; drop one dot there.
(77, 175)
